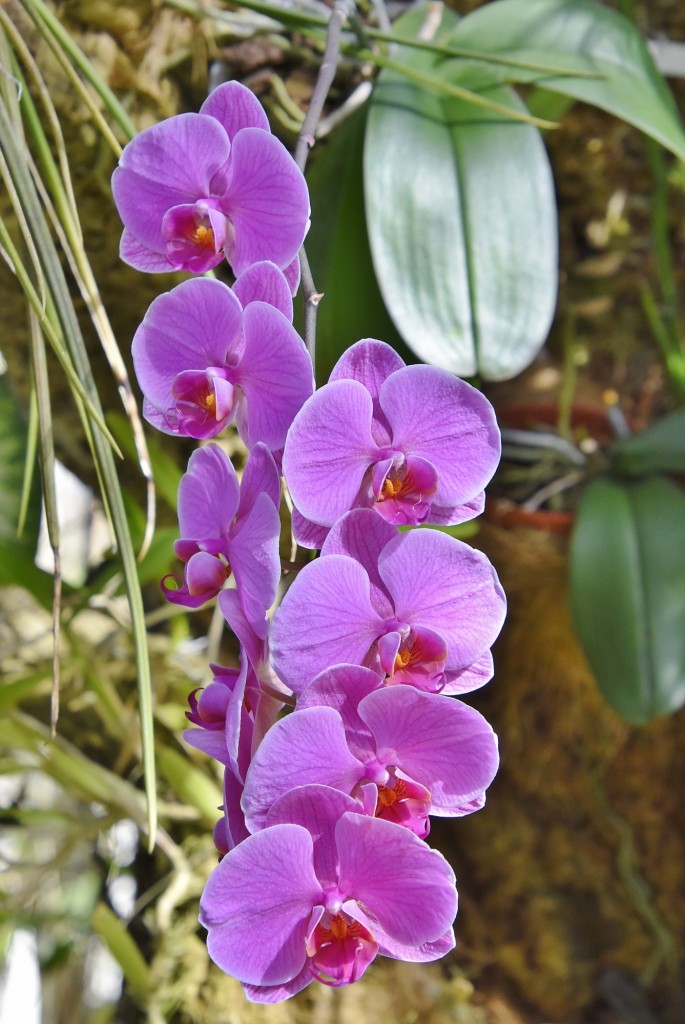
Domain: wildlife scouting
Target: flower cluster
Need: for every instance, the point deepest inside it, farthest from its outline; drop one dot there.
(327, 807)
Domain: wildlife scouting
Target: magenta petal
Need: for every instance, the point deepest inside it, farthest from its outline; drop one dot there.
(317, 808)
(440, 418)
(448, 587)
(182, 153)
(264, 282)
(251, 637)
(441, 743)
(398, 880)
(325, 618)
(260, 474)
(302, 749)
(342, 687)
(292, 275)
(363, 535)
(192, 327)
(368, 361)
(253, 555)
(236, 830)
(328, 450)
(267, 201)
(257, 903)
(139, 256)
(414, 954)
(235, 107)
(275, 373)
(209, 742)
(306, 533)
(205, 575)
(207, 495)
(466, 680)
(453, 515)
(277, 993)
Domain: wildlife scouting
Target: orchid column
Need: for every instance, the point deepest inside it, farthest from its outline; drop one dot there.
(339, 733)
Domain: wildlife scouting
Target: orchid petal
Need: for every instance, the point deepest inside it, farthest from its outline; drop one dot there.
(363, 535)
(235, 107)
(275, 373)
(328, 450)
(264, 282)
(268, 201)
(302, 749)
(317, 808)
(253, 555)
(257, 903)
(192, 327)
(208, 495)
(326, 617)
(440, 418)
(445, 585)
(342, 687)
(441, 743)
(260, 475)
(398, 880)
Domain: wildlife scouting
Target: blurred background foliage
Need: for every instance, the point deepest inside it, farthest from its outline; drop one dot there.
(572, 880)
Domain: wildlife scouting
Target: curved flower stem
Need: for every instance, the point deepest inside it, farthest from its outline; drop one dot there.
(305, 141)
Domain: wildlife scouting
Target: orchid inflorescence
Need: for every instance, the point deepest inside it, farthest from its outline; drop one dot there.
(326, 809)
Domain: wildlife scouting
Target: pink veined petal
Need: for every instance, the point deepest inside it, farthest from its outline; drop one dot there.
(264, 282)
(342, 687)
(397, 880)
(306, 533)
(370, 362)
(253, 554)
(257, 903)
(142, 203)
(236, 830)
(363, 535)
(192, 327)
(209, 742)
(328, 450)
(275, 374)
(182, 153)
(302, 749)
(277, 993)
(267, 201)
(455, 514)
(390, 947)
(466, 680)
(317, 808)
(139, 256)
(252, 638)
(326, 617)
(445, 585)
(292, 275)
(441, 743)
(260, 475)
(440, 418)
(235, 107)
(207, 495)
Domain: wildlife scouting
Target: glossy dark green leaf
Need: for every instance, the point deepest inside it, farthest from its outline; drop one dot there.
(590, 37)
(628, 593)
(462, 218)
(338, 250)
(661, 447)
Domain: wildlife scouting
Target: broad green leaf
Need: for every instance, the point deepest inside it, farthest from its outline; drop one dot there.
(122, 946)
(661, 447)
(338, 250)
(628, 593)
(593, 38)
(462, 220)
